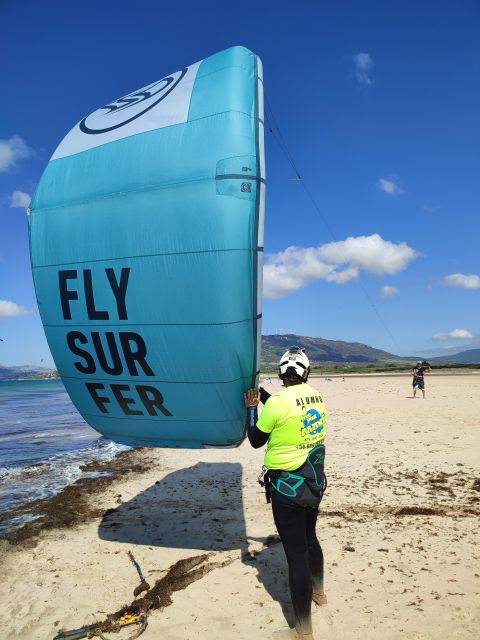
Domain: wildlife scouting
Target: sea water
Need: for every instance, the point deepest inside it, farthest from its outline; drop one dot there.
(43, 442)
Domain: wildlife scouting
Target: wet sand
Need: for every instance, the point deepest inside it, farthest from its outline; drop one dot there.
(398, 525)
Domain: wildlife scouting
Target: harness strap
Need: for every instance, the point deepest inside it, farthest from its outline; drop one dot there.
(264, 481)
(307, 484)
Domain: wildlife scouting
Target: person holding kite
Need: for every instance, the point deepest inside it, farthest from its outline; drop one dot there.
(293, 425)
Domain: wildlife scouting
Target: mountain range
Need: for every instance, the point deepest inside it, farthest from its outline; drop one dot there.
(26, 371)
(470, 356)
(321, 351)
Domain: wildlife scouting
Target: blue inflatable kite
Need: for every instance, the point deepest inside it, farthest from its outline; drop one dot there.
(146, 234)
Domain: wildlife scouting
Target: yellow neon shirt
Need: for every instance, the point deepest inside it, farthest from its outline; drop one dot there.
(296, 419)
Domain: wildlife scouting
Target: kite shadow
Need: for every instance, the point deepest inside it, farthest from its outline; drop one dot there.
(201, 508)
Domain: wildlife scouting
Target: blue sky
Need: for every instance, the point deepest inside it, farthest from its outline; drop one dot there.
(378, 103)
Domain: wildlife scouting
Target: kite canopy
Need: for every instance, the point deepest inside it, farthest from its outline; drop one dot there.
(146, 234)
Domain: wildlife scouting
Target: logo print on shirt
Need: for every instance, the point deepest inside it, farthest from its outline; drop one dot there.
(313, 422)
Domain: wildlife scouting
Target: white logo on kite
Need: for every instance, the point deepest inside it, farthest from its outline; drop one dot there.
(124, 110)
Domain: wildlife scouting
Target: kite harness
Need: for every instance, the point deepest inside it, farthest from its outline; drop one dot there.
(305, 486)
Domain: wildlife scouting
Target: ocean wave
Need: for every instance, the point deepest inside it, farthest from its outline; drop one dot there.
(22, 484)
(45, 443)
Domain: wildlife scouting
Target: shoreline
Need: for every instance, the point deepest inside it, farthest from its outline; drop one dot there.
(444, 371)
(72, 505)
(394, 374)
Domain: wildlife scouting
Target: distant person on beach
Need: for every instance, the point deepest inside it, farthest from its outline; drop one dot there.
(292, 425)
(418, 372)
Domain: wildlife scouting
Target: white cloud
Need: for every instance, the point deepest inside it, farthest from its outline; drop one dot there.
(456, 334)
(460, 280)
(13, 150)
(11, 309)
(372, 254)
(390, 186)
(363, 67)
(337, 262)
(20, 199)
(389, 292)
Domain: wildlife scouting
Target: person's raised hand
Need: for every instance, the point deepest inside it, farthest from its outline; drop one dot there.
(251, 397)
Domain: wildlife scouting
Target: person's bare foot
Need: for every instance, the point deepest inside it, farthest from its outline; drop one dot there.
(319, 599)
(301, 636)
(292, 634)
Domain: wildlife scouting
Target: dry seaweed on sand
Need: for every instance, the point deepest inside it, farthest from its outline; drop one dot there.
(73, 505)
(419, 511)
(179, 576)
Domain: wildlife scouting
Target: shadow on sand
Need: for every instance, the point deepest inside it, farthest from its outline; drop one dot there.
(199, 508)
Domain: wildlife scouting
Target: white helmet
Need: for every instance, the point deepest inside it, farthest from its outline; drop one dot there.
(295, 358)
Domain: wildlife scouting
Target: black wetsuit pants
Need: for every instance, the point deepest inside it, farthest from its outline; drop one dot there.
(296, 528)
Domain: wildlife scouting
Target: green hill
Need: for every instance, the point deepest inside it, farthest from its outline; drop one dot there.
(321, 351)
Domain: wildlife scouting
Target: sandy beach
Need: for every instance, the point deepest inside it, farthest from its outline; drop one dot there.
(398, 526)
